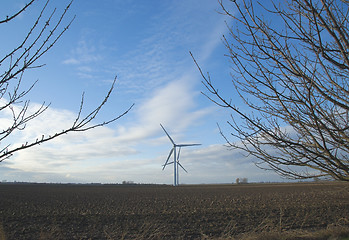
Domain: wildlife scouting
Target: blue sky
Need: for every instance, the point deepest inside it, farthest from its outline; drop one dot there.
(146, 44)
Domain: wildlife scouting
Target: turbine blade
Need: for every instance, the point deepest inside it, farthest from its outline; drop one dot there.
(179, 151)
(182, 167)
(168, 135)
(169, 155)
(188, 145)
(167, 164)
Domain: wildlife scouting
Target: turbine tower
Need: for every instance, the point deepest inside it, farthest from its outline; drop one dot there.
(176, 163)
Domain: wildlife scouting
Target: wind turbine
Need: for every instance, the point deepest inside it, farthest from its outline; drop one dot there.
(176, 163)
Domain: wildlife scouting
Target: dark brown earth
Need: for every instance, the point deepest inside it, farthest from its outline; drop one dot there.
(49, 211)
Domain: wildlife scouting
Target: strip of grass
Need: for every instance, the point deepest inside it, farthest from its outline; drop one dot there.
(2, 232)
(331, 233)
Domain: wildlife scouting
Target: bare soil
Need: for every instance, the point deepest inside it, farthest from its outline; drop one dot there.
(59, 211)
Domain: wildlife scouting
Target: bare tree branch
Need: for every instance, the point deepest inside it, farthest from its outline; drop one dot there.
(40, 38)
(290, 69)
(9, 18)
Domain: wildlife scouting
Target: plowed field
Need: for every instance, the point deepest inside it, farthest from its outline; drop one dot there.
(45, 211)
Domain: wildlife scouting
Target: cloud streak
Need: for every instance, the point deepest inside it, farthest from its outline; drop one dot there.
(84, 53)
(173, 105)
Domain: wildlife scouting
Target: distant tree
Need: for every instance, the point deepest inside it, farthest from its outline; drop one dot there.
(39, 39)
(128, 182)
(244, 180)
(290, 67)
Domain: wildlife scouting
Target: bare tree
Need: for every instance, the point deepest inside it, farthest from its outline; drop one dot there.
(40, 38)
(290, 67)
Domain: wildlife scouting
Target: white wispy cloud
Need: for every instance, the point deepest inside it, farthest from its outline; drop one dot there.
(172, 105)
(84, 53)
(61, 154)
(163, 53)
(103, 155)
(160, 74)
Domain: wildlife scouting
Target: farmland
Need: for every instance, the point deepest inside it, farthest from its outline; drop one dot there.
(60, 211)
